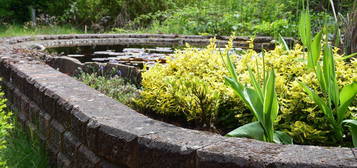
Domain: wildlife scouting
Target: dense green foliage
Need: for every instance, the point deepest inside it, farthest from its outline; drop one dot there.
(172, 90)
(114, 87)
(221, 17)
(18, 148)
(246, 17)
(190, 86)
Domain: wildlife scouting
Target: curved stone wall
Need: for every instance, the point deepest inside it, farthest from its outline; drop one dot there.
(84, 128)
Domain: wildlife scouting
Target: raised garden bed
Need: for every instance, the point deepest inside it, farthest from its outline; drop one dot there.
(84, 128)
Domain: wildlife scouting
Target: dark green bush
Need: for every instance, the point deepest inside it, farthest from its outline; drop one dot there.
(217, 17)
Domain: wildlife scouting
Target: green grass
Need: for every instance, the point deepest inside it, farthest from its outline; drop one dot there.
(18, 30)
(22, 150)
(18, 149)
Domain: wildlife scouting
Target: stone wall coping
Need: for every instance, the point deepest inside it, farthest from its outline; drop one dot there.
(111, 134)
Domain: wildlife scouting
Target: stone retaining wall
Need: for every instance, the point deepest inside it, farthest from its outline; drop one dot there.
(81, 127)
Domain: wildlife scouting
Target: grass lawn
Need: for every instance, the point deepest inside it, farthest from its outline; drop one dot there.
(18, 30)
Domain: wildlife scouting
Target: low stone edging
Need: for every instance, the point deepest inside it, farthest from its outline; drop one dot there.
(84, 128)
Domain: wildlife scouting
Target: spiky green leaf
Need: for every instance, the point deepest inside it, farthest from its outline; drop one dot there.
(316, 48)
(322, 105)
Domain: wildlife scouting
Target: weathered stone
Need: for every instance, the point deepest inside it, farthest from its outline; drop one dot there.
(44, 123)
(105, 164)
(24, 109)
(70, 145)
(63, 161)
(115, 145)
(237, 152)
(66, 65)
(314, 156)
(63, 113)
(86, 158)
(52, 155)
(172, 147)
(92, 133)
(56, 135)
(79, 123)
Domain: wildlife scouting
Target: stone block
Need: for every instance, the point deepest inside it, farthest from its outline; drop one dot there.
(171, 147)
(37, 94)
(63, 113)
(18, 80)
(237, 152)
(79, 123)
(49, 102)
(315, 156)
(70, 145)
(44, 124)
(24, 109)
(63, 161)
(17, 99)
(92, 135)
(56, 135)
(34, 114)
(52, 155)
(29, 88)
(105, 164)
(115, 145)
(86, 158)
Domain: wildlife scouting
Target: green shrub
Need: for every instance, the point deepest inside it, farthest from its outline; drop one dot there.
(5, 124)
(191, 86)
(115, 87)
(167, 89)
(215, 17)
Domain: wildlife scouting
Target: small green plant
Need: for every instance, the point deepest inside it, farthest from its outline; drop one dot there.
(114, 87)
(262, 102)
(337, 103)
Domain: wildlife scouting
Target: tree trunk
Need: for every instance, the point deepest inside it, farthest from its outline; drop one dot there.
(354, 35)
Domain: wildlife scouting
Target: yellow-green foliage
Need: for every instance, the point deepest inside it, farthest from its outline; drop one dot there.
(299, 115)
(190, 84)
(5, 125)
(193, 75)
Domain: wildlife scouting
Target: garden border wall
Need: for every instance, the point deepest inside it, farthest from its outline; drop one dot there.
(81, 127)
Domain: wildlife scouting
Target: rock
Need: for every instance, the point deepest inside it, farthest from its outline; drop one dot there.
(38, 47)
(66, 65)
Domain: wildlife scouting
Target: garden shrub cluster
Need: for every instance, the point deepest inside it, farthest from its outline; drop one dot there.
(245, 17)
(258, 17)
(191, 86)
(115, 87)
(176, 88)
